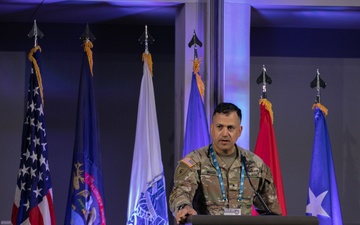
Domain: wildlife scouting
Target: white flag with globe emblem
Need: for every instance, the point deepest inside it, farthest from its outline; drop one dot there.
(147, 204)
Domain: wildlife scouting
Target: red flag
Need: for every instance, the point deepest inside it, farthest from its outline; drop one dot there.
(266, 149)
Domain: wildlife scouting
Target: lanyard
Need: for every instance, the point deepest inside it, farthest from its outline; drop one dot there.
(242, 175)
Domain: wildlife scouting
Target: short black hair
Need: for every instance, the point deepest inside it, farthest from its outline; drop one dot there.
(226, 108)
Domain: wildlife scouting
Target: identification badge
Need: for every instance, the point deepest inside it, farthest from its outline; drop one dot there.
(232, 212)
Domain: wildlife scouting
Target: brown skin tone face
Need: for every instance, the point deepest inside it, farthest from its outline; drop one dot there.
(225, 130)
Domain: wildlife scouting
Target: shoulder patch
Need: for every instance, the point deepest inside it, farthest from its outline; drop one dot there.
(188, 161)
(181, 171)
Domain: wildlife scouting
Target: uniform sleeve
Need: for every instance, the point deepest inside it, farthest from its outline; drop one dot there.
(186, 182)
(267, 191)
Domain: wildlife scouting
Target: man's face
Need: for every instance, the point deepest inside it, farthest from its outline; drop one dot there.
(225, 130)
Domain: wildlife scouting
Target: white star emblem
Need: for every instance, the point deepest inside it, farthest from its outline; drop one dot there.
(33, 156)
(36, 141)
(44, 145)
(32, 121)
(42, 160)
(27, 205)
(32, 106)
(24, 170)
(39, 126)
(33, 172)
(47, 166)
(27, 120)
(29, 139)
(22, 186)
(37, 191)
(314, 207)
(41, 111)
(27, 154)
(40, 176)
(35, 90)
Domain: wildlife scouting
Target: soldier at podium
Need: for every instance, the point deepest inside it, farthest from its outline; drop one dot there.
(223, 178)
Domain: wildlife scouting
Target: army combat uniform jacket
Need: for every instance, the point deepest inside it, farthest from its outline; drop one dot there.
(196, 183)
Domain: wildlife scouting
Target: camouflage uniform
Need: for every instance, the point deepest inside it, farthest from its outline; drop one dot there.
(196, 184)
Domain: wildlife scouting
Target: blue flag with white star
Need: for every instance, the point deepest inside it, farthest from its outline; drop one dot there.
(323, 200)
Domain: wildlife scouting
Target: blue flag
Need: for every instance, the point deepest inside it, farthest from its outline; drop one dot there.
(85, 203)
(197, 130)
(33, 202)
(147, 203)
(323, 200)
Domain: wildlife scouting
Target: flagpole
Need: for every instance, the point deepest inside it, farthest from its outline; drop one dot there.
(87, 35)
(86, 199)
(147, 39)
(318, 83)
(196, 63)
(323, 199)
(147, 202)
(36, 33)
(33, 194)
(197, 129)
(264, 79)
(195, 42)
(266, 147)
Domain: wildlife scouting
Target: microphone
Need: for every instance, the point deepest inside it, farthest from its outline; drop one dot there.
(262, 202)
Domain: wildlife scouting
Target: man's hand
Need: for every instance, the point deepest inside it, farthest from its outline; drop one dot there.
(183, 213)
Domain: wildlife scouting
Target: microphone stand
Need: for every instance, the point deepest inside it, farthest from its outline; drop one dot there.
(262, 202)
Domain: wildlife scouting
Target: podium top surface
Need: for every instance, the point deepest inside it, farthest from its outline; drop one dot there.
(251, 220)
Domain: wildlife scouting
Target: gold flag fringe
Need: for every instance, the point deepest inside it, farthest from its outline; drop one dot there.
(88, 45)
(37, 70)
(147, 57)
(200, 83)
(321, 107)
(268, 107)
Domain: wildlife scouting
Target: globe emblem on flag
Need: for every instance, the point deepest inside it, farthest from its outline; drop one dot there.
(148, 210)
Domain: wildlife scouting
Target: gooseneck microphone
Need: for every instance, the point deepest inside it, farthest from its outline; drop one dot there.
(257, 195)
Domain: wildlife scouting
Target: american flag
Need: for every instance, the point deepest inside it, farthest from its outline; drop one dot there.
(33, 202)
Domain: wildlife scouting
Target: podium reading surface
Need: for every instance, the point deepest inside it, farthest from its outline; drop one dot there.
(251, 220)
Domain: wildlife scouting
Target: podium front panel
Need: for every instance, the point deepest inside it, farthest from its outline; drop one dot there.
(251, 220)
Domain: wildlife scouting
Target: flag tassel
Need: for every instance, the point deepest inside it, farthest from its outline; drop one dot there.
(321, 107)
(88, 45)
(146, 57)
(200, 83)
(37, 70)
(268, 107)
